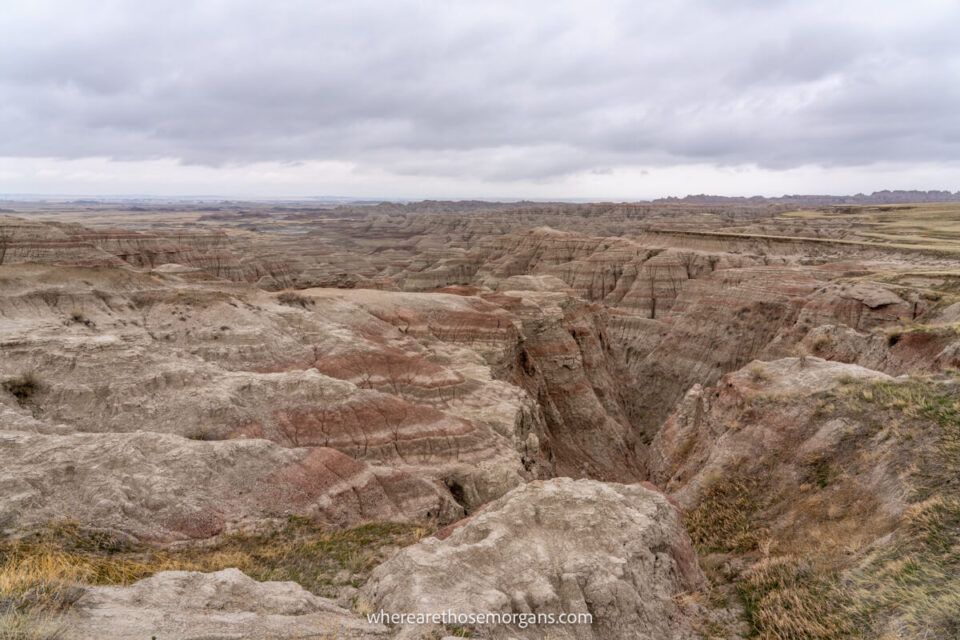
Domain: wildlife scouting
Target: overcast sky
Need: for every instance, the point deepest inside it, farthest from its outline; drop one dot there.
(522, 98)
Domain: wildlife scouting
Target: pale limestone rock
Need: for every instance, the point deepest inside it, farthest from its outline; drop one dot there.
(616, 551)
(187, 605)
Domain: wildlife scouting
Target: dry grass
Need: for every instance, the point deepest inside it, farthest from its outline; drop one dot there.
(916, 580)
(40, 574)
(922, 226)
(933, 408)
(312, 557)
(724, 520)
(821, 342)
(19, 626)
(757, 373)
(909, 588)
(810, 585)
(894, 334)
(788, 598)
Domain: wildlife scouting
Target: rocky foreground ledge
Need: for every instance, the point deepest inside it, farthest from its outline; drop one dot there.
(617, 552)
(224, 604)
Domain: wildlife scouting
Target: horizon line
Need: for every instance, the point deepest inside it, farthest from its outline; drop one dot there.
(344, 199)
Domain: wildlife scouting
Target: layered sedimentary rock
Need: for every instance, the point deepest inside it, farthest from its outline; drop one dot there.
(717, 324)
(920, 349)
(765, 421)
(578, 377)
(474, 395)
(190, 371)
(623, 273)
(616, 552)
(225, 604)
(70, 244)
(117, 352)
(160, 487)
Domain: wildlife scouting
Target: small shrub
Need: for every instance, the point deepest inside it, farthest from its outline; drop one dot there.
(77, 317)
(22, 387)
(822, 474)
(757, 373)
(292, 299)
(821, 342)
(802, 356)
(202, 435)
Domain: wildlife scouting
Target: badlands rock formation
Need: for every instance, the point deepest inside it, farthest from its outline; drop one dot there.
(418, 382)
(178, 376)
(767, 423)
(163, 487)
(409, 384)
(616, 552)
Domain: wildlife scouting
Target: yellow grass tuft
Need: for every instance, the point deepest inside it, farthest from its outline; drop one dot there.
(19, 626)
(723, 521)
(788, 598)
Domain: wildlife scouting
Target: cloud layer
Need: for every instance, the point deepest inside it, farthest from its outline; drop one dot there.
(491, 91)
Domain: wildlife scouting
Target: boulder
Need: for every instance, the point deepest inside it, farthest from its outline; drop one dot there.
(189, 605)
(616, 552)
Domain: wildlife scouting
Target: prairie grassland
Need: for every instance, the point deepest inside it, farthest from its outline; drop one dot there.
(921, 226)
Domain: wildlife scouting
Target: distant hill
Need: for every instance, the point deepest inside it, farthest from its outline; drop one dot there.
(877, 197)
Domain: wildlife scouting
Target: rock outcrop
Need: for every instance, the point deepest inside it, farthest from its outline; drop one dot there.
(409, 381)
(821, 489)
(616, 552)
(186, 605)
(161, 487)
(473, 393)
(567, 361)
(765, 422)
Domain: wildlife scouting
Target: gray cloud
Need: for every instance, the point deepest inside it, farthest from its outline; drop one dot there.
(499, 90)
